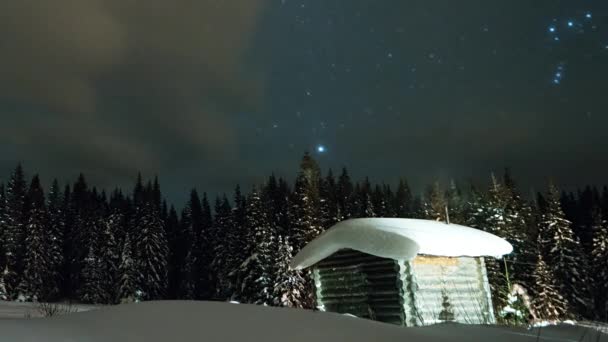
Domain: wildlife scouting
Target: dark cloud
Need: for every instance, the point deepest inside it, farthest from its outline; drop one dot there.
(123, 85)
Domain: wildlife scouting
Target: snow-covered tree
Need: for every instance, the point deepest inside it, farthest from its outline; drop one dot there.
(547, 303)
(456, 203)
(330, 211)
(289, 285)
(2, 239)
(435, 203)
(255, 276)
(403, 200)
(109, 255)
(92, 289)
(56, 228)
(599, 262)
(366, 205)
(14, 231)
(563, 253)
(38, 262)
(344, 194)
(151, 253)
(485, 212)
(230, 247)
(305, 209)
(127, 274)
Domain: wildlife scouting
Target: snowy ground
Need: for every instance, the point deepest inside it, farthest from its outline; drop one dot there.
(213, 321)
(16, 310)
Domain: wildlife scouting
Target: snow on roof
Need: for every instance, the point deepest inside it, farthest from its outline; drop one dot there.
(401, 239)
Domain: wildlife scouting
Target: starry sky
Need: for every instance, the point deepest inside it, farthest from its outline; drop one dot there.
(209, 93)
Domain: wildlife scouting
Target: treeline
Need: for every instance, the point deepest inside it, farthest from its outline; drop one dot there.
(79, 243)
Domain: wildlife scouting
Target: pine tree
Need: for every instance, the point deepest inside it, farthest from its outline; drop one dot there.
(289, 285)
(14, 232)
(56, 228)
(563, 252)
(599, 262)
(547, 303)
(151, 253)
(38, 262)
(230, 245)
(255, 278)
(127, 274)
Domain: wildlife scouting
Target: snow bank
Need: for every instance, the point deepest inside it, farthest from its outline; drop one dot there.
(401, 239)
(213, 321)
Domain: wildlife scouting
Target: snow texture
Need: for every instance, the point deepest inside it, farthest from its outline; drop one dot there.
(215, 321)
(401, 239)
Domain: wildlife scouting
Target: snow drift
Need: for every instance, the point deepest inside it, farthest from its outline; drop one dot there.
(214, 321)
(401, 239)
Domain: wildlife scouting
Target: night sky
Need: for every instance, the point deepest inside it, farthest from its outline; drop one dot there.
(209, 93)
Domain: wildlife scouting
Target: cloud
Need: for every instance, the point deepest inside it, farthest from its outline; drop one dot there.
(125, 84)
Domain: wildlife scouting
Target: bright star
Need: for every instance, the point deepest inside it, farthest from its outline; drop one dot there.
(570, 24)
(588, 15)
(551, 29)
(320, 148)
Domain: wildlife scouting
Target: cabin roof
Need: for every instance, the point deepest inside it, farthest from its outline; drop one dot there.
(401, 239)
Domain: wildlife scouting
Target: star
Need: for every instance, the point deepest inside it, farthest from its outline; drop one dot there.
(551, 29)
(321, 149)
(570, 23)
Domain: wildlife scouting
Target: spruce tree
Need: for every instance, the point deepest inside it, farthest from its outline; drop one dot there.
(255, 276)
(380, 202)
(519, 233)
(599, 262)
(289, 285)
(109, 255)
(230, 244)
(305, 204)
(366, 205)
(55, 238)
(485, 212)
(344, 194)
(435, 203)
(200, 257)
(547, 303)
(14, 233)
(330, 211)
(151, 253)
(455, 203)
(38, 262)
(403, 200)
(127, 274)
(176, 242)
(92, 289)
(2, 239)
(563, 252)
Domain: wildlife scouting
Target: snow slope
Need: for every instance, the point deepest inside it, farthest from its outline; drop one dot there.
(16, 310)
(401, 239)
(214, 321)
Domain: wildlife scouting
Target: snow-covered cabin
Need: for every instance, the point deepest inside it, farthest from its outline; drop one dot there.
(403, 271)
